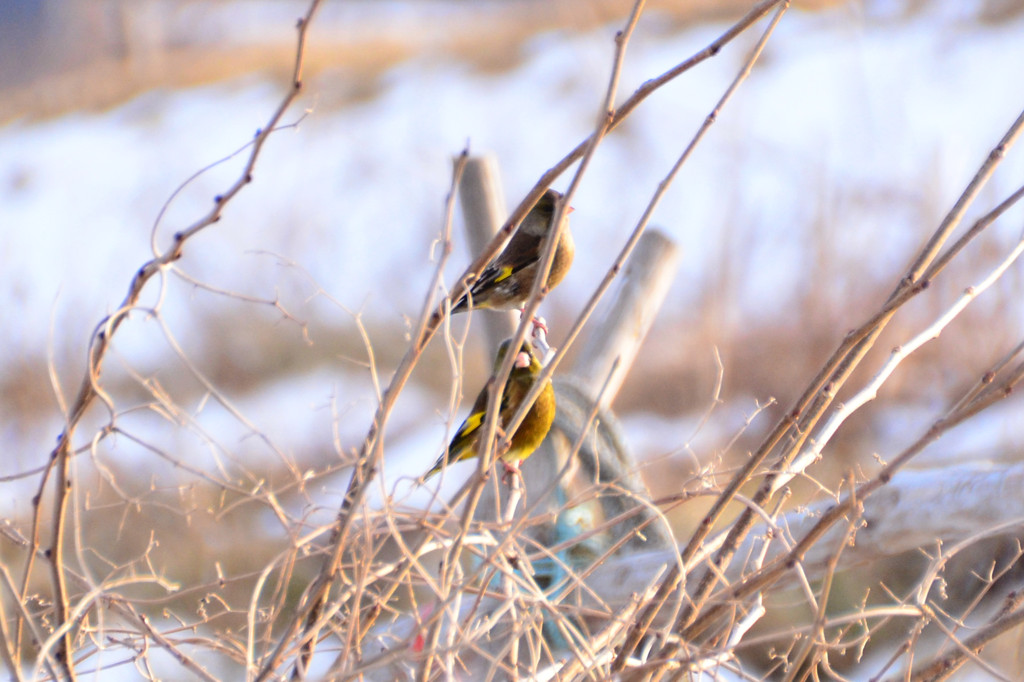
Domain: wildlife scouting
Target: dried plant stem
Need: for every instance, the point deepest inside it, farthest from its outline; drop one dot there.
(372, 447)
(943, 667)
(812, 404)
(752, 583)
(809, 647)
(573, 574)
(898, 355)
(305, 623)
(90, 388)
(752, 16)
(672, 581)
(489, 447)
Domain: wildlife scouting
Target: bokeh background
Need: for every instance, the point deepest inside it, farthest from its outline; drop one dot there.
(856, 132)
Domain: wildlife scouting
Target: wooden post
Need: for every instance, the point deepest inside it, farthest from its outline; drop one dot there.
(616, 332)
(485, 211)
(624, 321)
(585, 456)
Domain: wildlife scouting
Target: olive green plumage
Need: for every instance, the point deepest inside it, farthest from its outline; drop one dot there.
(532, 431)
(505, 283)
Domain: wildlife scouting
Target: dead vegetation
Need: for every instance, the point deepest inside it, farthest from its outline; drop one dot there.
(149, 533)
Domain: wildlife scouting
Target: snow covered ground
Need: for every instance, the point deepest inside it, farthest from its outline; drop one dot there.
(844, 105)
(862, 125)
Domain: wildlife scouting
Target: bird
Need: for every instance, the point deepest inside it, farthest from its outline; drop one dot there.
(505, 283)
(534, 427)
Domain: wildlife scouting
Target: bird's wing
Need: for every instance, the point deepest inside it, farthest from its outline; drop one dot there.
(521, 252)
(467, 429)
(462, 445)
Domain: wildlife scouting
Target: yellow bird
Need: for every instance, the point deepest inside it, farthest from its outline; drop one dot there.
(505, 283)
(532, 431)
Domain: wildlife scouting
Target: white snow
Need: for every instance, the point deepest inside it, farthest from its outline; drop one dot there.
(842, 105)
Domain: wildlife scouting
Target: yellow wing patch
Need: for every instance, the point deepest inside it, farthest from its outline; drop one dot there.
(471, 424)
(503, 274)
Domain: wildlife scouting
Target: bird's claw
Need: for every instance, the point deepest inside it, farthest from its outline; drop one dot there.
(539, 339)
(510, 472)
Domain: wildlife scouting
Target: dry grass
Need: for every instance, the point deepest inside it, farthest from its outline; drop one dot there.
(244, 559)
(490, 36)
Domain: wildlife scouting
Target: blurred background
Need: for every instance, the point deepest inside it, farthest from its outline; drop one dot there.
(856, 132)
(858, 129)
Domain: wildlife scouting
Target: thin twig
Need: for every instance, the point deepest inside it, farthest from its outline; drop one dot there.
(803, 417)
(671, 582)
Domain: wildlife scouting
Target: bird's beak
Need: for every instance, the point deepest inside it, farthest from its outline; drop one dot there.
(522, 361)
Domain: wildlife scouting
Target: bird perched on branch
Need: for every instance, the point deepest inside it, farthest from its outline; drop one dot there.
(505, 283)
(531, 432)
